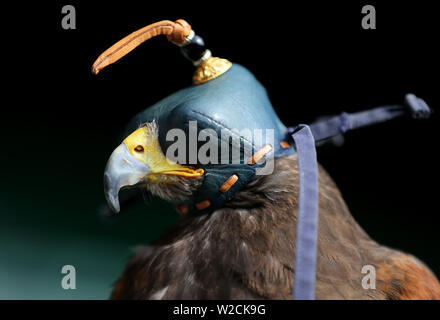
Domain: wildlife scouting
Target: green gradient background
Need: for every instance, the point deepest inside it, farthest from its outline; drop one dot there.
(52, 219)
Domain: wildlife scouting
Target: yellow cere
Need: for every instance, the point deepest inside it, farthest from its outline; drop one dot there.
(144, 146)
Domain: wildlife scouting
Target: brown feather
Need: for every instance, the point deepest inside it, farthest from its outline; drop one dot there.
(246, 250)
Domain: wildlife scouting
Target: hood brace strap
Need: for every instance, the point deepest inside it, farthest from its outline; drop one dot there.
(304, 138)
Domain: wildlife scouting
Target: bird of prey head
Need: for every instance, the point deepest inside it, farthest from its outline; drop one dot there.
(139, 160)
(193, 147)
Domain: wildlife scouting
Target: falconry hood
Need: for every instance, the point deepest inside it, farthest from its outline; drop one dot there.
(223, 128)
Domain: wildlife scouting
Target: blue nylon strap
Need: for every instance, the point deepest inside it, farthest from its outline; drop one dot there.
(340, 124)
(307, 223)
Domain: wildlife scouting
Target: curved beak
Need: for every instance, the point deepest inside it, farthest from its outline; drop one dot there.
(122, 170)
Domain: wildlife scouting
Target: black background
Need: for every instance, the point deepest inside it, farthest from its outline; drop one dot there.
(62, 122)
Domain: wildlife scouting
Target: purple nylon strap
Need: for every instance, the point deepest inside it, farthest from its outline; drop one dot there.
(304, 138)
(307, 229)
(337, 125)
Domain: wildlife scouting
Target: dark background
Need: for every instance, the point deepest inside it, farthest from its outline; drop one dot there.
(60, 122)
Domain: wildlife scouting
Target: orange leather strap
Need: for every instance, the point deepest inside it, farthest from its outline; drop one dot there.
(176, 32)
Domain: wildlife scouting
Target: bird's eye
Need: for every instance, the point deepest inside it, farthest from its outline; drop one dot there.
(139, 149)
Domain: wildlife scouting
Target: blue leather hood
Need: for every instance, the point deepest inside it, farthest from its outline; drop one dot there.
(232, 102)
